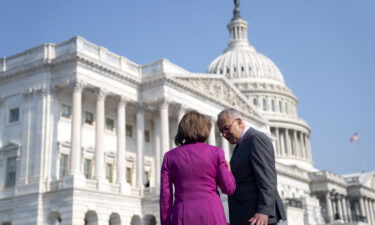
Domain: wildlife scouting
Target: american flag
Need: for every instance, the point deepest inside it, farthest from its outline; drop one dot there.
(354, 137)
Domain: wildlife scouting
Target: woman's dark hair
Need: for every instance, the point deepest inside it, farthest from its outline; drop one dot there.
(193, 127)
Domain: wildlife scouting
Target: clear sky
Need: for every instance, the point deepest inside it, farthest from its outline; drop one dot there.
(324, 48)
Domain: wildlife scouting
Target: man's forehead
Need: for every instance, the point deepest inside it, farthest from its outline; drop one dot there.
(223, 119)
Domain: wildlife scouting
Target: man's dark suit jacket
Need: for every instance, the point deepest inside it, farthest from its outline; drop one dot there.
(253, 166)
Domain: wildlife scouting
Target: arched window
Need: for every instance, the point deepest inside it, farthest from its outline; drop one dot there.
(91, 218)
(273, 105)
(114, 219)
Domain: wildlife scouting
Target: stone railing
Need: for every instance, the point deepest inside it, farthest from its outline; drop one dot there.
(296, 203)
(352, 180)
(292, 171)
(162, 65)
(325, 175)
(77, 45)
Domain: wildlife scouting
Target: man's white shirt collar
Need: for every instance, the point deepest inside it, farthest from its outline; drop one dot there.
(244, 131)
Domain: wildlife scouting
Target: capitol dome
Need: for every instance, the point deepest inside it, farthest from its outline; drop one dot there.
(241, 61)
(262, 83)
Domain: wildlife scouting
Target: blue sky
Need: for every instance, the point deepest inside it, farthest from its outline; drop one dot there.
(325, 50)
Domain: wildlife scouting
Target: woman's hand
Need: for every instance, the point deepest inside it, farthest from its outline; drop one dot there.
(228, 164)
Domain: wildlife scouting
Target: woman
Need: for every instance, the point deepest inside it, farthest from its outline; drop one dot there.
(195, 169)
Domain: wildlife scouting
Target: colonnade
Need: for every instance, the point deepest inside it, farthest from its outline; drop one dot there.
(291, 142)
(350, 209)
(161, 134)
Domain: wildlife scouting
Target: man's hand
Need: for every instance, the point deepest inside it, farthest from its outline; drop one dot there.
(259, 219)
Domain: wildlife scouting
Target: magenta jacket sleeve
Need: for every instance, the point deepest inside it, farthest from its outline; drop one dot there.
(225, 178)
(166, 193)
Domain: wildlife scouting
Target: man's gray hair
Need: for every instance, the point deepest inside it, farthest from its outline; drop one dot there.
(229, 112)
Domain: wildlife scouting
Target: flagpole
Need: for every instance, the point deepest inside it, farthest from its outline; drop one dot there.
(361, 157)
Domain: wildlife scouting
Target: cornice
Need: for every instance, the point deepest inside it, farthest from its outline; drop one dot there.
(297, 122)
(173, 81)
(113, 73)
(80, 60)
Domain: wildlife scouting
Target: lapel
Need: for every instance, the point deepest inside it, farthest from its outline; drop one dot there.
(240, 145)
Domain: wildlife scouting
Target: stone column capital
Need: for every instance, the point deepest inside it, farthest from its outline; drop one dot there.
(77, 85)
(164, 102)
(121, 100)
(56, 90)
(101, 93)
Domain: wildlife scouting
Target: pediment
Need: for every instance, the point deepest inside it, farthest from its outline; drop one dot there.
(218, 89)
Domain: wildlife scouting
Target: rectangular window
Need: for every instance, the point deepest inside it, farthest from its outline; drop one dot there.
(64, 165)
(66, 111)
(109, 124)
(109, 172)
(88, 168)
(147, 179)
(89, 118)
(129, 130)
(129, 175)
(11, 172)
(147, 136)
(14, 115)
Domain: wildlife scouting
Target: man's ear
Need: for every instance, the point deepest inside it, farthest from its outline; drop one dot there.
(241, 123)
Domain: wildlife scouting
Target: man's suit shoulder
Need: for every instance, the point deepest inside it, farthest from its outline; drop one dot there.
(253, 134)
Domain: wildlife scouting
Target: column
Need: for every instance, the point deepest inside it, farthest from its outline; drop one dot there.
(99, 134)
(362, 206)
(344, 208)
(158, 158)
(372, 209)
(26, 153)
(370, 212)
(278, 148)
(300, 144)
(212, 136)
(121, 140)
(164, 119)
(348, 208)
(289, 142)
(369, 219)
(282, 142)
(294, 144)
(75, 153)
(309, 148)
(225, 146)
(304, 149)
(340, 208)
(181, 113)
(140, 145)
(329, 207)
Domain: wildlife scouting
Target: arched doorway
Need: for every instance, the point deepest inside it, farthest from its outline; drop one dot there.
(91, 218)
(114, 219)
(136, 220)
(54, 218)
(149, 220)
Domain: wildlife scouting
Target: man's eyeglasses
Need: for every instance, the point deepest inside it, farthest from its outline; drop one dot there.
(226, 129)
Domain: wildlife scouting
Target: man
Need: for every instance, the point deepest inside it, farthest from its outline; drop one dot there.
(256, 200)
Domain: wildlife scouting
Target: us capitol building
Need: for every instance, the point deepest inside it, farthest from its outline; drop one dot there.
(83, 132)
